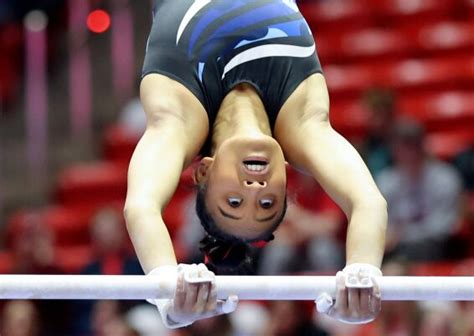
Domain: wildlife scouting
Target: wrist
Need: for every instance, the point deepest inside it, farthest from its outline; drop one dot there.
(371, 269)
(165, 306)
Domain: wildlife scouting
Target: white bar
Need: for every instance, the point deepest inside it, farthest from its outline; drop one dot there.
(98, 287)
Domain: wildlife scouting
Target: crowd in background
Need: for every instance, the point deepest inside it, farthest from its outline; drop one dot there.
(430, 230)
(428, 220)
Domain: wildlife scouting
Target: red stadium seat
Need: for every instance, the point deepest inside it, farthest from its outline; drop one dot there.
(70, 225)
(376, 44)
(470, 8)
(96, 183)
(349, 81)
(444, 37)
(421, 11)
(442, 112)
(433, 269)
(448, 73)
(446, 145)
(350, 118)
(119, 144)
(406, 77)
(73, 259)
(336, 15)
(6, 262)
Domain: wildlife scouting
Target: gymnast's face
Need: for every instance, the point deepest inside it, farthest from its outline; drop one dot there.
(246, 185)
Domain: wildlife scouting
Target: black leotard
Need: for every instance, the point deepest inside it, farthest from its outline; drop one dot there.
(212, 46)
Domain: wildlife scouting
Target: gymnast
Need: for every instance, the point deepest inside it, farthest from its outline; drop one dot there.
(239, 84)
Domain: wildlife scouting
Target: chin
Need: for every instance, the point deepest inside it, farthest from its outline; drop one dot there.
(253, 144)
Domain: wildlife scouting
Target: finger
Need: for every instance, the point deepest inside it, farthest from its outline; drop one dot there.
(201, 299)
(364, 301)
(191, 289)
(324, 303)
(180, 294)
(376, 299)
(212, 297)
(364, 279)
(203, 290)
(227, 306)
(353, 300)
(341, 294)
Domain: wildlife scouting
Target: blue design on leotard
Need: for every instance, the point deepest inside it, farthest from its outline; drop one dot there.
(252, 17)
(210, 16)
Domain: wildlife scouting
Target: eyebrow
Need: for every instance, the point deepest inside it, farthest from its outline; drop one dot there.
(225, 214)
(267, 218)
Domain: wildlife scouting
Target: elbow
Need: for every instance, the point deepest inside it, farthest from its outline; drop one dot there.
(381, 209)
(129, 213)
(379, 204)
(134, 213)
(374, 204)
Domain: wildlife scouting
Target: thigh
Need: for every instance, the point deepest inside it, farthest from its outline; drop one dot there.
(169, 104)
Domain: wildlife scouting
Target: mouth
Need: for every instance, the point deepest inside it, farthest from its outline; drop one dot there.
(256, 166)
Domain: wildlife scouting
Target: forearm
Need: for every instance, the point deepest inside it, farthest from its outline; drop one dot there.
(365, 242)
(154, 173)
(333, 161)
(150, 238)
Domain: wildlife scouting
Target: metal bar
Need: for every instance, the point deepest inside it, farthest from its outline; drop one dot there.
(246, 287)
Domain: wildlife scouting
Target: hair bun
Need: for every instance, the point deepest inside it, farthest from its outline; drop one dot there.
(226, 257)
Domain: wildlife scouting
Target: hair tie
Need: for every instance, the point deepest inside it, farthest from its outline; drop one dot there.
(259, 243)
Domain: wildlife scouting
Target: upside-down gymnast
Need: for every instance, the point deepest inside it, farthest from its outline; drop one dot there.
(239, 83)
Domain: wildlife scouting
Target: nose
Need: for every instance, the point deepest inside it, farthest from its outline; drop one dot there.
(255, 184)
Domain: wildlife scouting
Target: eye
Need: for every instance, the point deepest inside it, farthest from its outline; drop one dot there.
(234, 202)
(266, 203)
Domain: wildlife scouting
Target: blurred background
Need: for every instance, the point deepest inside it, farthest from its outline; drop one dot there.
(401, 80)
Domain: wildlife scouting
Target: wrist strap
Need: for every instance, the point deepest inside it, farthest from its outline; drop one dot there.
(362, 267)
(359, 275)
(164, 305)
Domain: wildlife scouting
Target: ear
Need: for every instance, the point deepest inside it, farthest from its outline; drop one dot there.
(201, 172)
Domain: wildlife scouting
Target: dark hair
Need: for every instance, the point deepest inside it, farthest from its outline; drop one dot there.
(225, 253)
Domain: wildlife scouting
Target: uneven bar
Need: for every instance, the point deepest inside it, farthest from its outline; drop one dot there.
(100, 287)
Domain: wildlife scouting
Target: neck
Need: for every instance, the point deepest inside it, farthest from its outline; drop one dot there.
(241, 114)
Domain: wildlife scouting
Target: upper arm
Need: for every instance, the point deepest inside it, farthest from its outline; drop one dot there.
(177, 127)
(310, 143)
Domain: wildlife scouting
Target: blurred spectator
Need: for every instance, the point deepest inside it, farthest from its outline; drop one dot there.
(112, 257)
(146, 320)
(292, 318)
(250, 318)
(438, 318)
(466, 323)
(111, 250)
(107, 320)
(190, 233)
(397, 318)
(464, 162)
(33, 247)
(20, 318)
(376, 148)
(132, 117)
(423, 196)
(214, 326)
(33, 253)
(309, 237)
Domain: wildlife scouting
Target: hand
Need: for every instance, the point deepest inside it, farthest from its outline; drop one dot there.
(358, 297)
(195, 298)
(196, 295)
